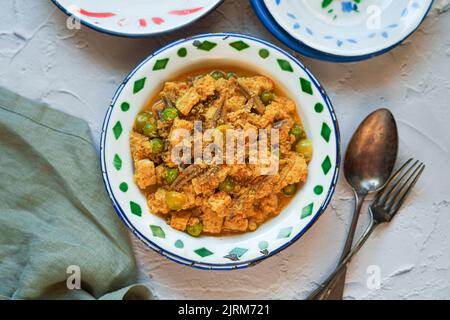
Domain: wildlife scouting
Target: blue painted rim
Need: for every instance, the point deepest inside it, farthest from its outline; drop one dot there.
(136, 35)
(197, 264)
(269, 22)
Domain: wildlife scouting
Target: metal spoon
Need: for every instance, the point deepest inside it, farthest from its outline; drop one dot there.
(368, 164)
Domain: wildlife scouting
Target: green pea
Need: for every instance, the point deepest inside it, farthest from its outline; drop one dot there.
(305, 148)
(175, 200)
(141, 120)
(156, 145)
(231, 75)
(171, 175)
(227, 185)
(152, 117)
(267, 97)
(298, 133)
(290, 190)
(150, 130)
(217, 75)
(169, 114)
(195, 230)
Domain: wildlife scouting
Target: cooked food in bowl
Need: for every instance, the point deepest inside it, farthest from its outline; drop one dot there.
(217, 111)
(145, 200)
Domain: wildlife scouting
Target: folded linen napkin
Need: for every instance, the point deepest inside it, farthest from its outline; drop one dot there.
(57, 225)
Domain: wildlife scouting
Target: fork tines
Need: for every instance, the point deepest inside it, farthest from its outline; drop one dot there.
(398, 187)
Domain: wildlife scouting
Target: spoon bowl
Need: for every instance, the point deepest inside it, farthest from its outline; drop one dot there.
(372, 152)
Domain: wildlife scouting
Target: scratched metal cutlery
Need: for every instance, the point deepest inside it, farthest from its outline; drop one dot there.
(385, 206)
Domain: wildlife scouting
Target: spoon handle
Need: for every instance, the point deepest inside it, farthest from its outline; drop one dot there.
(359, 200)
(327, 286)
(338, 290)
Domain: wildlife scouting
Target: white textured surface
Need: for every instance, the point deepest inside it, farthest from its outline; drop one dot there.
(78, 72)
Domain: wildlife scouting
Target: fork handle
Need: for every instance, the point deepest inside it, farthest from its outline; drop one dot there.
(325, 288)
(338, 289)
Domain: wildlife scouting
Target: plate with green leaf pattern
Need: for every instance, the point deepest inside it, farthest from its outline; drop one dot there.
(231, 251)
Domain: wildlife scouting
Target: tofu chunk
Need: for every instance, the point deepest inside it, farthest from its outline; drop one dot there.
(203, 88)
(140, 146)
(179, 220)
(144, 174)
(236, 224)
(187, 101)
(212, 223)
(220, 203)
(257, 85)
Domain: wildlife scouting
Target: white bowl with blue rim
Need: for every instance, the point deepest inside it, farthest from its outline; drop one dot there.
(136, 18)
(342, 30)
(225, 252)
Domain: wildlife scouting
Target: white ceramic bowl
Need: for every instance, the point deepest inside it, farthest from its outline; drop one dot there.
(136, 18)
(349, 28)
(225, 252)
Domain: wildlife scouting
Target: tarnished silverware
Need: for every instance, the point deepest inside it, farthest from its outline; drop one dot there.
(383, 209)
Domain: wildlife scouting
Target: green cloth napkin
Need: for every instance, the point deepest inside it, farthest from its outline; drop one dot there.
(54, 211)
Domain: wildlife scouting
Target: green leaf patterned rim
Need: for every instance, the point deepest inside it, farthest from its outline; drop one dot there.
(227, 252)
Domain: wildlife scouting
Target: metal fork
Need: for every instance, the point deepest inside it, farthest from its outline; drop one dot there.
(383, 209)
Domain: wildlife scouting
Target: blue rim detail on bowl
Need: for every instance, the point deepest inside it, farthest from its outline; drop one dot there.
(197, 264)
(135, 35)
(269, 22)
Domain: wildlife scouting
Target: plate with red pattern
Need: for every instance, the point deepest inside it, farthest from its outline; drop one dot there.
(136, 18)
